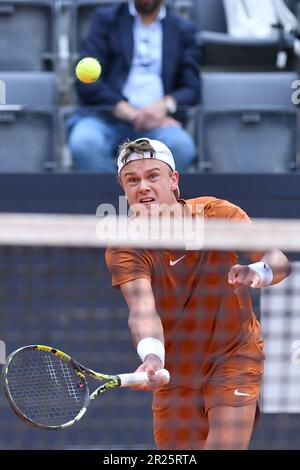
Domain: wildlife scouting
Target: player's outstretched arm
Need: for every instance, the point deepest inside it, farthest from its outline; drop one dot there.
(146, 330)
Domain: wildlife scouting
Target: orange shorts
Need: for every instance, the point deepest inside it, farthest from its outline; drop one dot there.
(180, 413)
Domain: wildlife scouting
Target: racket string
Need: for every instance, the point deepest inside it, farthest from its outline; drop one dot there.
(45, 388)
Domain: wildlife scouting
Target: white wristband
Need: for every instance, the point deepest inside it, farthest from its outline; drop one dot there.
(264, 271)
(151, 346)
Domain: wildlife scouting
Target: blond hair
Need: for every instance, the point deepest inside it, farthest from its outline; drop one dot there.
(136, 146)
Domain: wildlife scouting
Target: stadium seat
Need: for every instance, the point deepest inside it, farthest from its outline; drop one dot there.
(28, 124)
(221, 51)
(248, 122)
(27, 37)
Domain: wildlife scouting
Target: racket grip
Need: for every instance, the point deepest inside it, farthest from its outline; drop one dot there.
(128, 380)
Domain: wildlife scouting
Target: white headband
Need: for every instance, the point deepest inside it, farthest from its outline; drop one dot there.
(161, 152)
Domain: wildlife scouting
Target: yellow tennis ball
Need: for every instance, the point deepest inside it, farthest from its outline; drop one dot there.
(88, 70)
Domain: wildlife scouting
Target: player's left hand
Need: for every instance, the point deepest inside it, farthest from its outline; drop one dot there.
(243, 275)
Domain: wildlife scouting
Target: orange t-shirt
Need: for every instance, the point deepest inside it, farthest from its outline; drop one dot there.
(204, 319)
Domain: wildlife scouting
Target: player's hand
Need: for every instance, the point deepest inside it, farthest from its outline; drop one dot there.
(243, 275)
(151, 365)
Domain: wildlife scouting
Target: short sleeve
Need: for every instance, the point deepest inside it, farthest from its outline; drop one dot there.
(126, 265)
(240, 214)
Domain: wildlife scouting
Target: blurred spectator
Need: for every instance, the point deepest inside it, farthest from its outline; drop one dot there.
(150, 68)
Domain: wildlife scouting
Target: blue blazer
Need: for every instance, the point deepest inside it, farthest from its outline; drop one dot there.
(110, 40)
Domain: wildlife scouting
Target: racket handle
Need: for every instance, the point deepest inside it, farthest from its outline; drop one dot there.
(128, 380)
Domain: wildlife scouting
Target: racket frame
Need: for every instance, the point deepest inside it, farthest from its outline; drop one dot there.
(113, 381)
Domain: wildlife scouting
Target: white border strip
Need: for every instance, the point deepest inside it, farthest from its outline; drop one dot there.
(83, 231)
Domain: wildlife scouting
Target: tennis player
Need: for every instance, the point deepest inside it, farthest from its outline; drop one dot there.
(190, 311)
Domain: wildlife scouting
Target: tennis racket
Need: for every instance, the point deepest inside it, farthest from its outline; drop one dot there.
(48, 389)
